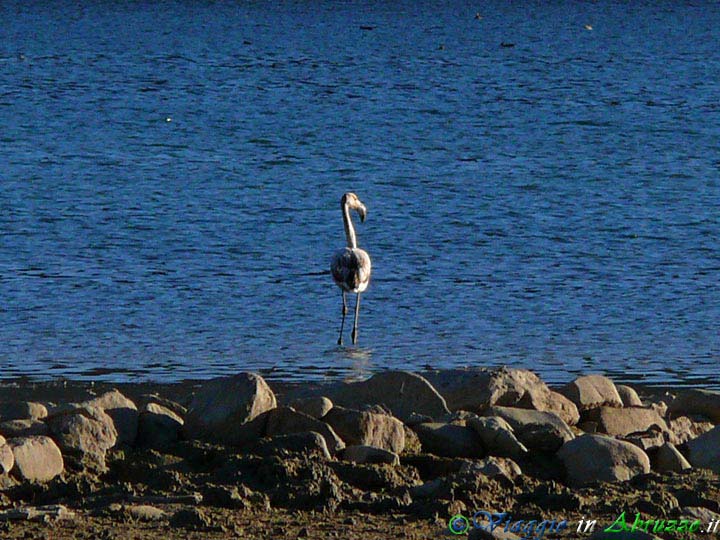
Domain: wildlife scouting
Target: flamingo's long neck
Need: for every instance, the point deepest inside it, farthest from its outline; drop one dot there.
(349, 229)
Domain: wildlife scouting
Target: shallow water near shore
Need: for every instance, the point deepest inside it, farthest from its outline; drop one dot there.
(170, 178)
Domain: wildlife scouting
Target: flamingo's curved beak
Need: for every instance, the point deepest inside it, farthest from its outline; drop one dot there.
(362, 211)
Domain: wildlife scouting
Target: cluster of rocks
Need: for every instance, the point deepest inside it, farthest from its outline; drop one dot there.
(597, 430)
(39, 441)
(422, 437)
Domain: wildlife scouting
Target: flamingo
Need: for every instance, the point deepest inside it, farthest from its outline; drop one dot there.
(351, 265)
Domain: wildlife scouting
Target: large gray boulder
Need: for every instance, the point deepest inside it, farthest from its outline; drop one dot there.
(704, 451)
(222, 408)
(37, 459)
(537, 430)
(477, 389)
(367, 428)
(621, 422)
(449, 440)
(86, 433)
(401, 392)
(497, 436)
(122, 411)
(598, 458)
(592, 391)
(286, 421)
(697, 401)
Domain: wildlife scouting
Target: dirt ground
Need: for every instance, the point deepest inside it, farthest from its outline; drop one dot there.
(241, 525)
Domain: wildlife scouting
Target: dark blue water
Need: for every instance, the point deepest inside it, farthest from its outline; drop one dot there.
(170, 176)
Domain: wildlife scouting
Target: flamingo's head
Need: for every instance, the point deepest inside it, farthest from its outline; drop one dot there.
(353, 203)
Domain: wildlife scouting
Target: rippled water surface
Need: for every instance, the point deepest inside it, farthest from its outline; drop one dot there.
(170, 176)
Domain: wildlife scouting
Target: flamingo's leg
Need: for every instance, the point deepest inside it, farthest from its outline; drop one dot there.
(342, 324)
(357, 315)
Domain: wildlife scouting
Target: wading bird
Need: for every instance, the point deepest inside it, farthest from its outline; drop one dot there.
(350, 266)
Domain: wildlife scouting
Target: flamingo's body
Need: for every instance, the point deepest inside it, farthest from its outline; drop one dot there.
(351, 265)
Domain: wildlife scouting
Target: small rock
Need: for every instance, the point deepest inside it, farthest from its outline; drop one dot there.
(144, 512)
(621, 422)
(22, 410)
(86, 433)
(37, 459)
(492, 467)
(669, 459)
(7, 460)
(23, 428)
(370, 454)
(628, 396)
(309, 442)
(175, 407)
(598, 458)
(537, 430)
(704, 451)
(367, 429)
(497, 436)
(697, 401)
(315, 406)
(592, 391)
(222, 407)
(402, 392)
(122, 411)
(158, 427)
(190, 518)
(449, 440)
(285, 420)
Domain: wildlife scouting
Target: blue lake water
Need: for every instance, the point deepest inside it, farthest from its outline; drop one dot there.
(170, 177)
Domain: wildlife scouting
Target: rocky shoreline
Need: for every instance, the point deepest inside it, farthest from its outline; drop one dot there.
(401, 452)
